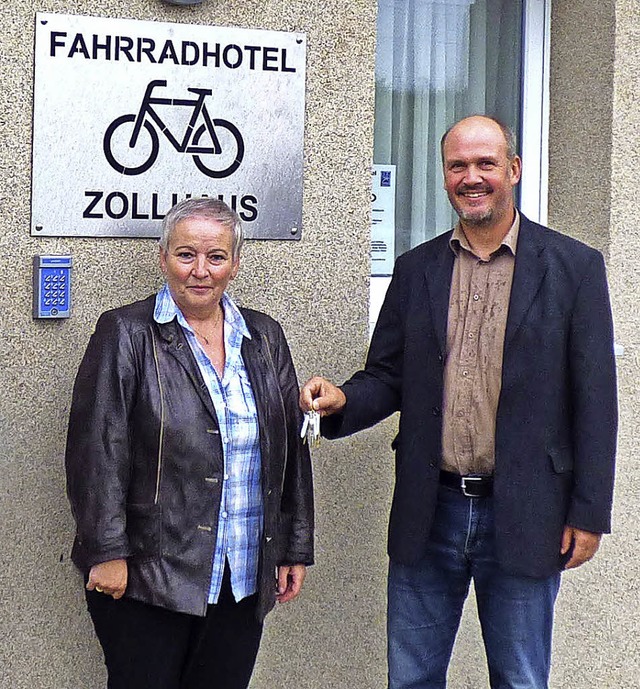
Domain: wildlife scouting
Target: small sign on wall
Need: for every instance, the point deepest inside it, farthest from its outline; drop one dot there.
(383, 222)
(132, 116)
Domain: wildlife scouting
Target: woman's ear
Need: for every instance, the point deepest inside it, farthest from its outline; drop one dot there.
(162, 255)
(235, 269)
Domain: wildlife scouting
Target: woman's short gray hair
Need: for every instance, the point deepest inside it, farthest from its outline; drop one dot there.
(204, 207)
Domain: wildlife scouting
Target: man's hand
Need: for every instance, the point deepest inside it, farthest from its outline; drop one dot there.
(585, 545)
(109, 578)
(321, 396)
(290, 580)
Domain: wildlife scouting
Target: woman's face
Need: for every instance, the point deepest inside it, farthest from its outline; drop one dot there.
(198, 265)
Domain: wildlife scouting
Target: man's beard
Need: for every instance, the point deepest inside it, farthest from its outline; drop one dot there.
(477, 219)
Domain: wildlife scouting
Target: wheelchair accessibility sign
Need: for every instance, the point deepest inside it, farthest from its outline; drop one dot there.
(131, 117)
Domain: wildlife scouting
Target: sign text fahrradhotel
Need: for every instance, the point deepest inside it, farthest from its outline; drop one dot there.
(131, 117)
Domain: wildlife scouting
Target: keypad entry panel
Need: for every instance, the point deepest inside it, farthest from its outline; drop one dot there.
(51, 286)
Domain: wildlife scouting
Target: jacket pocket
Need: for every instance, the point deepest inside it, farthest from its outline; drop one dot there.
(561, 459)
(144, 528)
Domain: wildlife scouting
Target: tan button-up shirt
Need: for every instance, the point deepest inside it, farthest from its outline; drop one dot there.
(478, 308)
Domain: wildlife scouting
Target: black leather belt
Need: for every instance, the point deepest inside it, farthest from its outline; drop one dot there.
(470, 486)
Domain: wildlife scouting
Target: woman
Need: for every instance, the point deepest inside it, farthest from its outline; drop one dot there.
(188, 481)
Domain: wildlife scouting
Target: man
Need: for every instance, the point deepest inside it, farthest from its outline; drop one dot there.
(495, 343)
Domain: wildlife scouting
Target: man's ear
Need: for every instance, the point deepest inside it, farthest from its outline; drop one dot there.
(516, 170)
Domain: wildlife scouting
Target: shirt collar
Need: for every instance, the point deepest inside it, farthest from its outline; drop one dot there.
(458, 239)
(166, 310)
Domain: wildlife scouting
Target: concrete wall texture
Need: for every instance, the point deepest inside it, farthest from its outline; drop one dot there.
(334, 635)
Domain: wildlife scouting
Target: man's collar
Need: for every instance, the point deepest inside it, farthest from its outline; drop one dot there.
(459, 240)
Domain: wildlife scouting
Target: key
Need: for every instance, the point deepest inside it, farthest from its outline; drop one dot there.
(305, 427)
(315, 429)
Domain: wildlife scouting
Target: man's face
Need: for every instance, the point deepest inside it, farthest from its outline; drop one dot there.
(478, 176)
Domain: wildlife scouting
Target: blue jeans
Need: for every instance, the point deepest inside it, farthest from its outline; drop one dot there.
(425, 605)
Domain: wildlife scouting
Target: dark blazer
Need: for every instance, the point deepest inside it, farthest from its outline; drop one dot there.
(144, 458)
(557, 414)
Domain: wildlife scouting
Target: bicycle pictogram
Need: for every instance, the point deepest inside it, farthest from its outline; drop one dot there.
(131, 143)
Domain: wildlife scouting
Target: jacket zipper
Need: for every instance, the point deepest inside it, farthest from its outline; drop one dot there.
(161, 434)
(284, 413)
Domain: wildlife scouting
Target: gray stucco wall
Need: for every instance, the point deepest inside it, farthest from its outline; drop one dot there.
(334, 635)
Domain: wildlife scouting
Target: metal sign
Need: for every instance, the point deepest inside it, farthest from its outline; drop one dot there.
(131, 117)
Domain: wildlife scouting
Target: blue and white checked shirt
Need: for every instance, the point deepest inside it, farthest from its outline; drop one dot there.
(241, 510)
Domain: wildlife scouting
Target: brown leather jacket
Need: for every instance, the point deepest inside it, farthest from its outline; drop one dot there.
(144, 458)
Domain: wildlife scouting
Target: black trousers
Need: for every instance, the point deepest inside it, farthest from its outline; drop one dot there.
(148, 647)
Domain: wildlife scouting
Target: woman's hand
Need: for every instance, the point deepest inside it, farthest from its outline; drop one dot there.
(290, 580)
(109, 578)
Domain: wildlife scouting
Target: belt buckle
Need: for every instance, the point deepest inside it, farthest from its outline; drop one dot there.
(465, 481)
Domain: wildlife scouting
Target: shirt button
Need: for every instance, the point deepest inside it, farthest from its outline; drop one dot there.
(224, 515)
(226, 477)
(476, 297)
(471, 336)
(465, 373)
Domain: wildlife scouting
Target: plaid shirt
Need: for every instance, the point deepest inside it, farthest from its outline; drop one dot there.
(241, 509)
